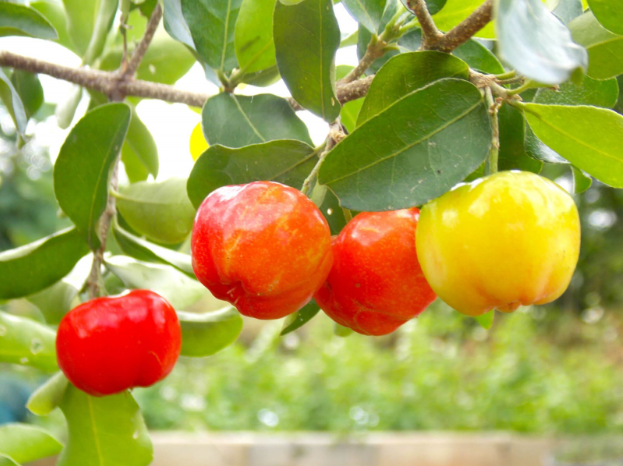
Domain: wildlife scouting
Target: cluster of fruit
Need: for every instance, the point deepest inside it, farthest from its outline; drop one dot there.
(503, 241)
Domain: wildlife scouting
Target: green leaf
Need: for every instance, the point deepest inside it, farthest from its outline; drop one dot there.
(55, 301)
(262, 78)
(405, 73)
(590, 138)
(24, 341)
(21, 20)
(455, 11)
(212, 25)
(145, 251)
(307, 37)
(22, 443)
(512, 153)
(81, 16)
(567, 10)
(435, 6)
(11, 100)
(366, 12)
(104, 431)
(486, 320)
(341, 331)
(139, 152)
(402, 158)
(590, 92)
(66, 109)
(581, 181)
(286, 161)
(364, 37)
(332, 211)
(351, 39)
(300, 318)
(609, 13)
(605, 49)
(160, 211)
(237, 120)
(253, 39)
(537, 150)
(535, 43)
(207, 334)
(29, 89)
(55, 14)
(31, 268)
(103, 22)
(49, 395)
(176, 287)
(175, 24)
(83, 166)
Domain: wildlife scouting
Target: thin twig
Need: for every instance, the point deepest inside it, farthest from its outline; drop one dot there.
(494, 105)
(335, 135)
(430, 34)
(142, 46)
(465, 30)
(375, 50)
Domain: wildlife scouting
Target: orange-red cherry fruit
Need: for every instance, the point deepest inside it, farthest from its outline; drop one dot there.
(263, 246)
(376, 283)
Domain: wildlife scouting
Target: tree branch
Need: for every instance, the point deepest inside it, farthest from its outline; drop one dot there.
(141, 48)
(430, 33)
(465, 30)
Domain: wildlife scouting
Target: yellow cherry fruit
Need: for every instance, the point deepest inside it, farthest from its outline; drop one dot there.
(499, 242)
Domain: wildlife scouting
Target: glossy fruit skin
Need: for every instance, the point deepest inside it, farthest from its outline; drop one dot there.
(376, 283)
(506, 240)
(263, 247)
(108, 345)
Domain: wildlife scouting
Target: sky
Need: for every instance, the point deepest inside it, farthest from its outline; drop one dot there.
(170, 124)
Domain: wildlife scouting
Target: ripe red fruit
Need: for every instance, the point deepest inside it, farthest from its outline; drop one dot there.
(263, 246)
(108, 345)
(376, 283)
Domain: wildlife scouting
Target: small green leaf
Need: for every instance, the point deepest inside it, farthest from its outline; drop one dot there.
(307, 37)
(537, 150)
(581, 181)
(103, 22)
(174, 286)
(66, 109)
(104, 431)
(589, 92)
(22, 443)
(237, 121)
(29, 89)
(13, 103)
(512, 155)
(609, 13)
(31, 268)
(253, 39)
(605, 49)
(21, 20)
(535, 43)
(49, 395)
(55, 14)
(405, 73)
(160, 211)
(590, 138)
(83, 166)
(145, 251)
(300, 318)
(24, 341)
(364, 37)
(286, 161)
(486, 320)
(455, 11)
(139, 153)
(366, 12)
(402, 158)
(212, 24)
(81, 16)
(55, 301)
(207, 334)
(175, 24)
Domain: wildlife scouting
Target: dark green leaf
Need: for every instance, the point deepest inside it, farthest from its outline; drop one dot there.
(581, 181)
(29, 89)
(83, 166)
(590, 138)
(605, 49)
(609, 13)
(22, 443)
(567, 10)
(286, 161)
(24, 341)
(403, 158)
(535, 43)
(11, 100)
(300, 318)
(175, 24)
(212, 25)
(486, 320)
(31, 268)
(405, 73)
(255, 48)
(590, 92)
(237, 120)
(207, 334)
(306, 38)
(139, 153)
(537, 150)
(455, 11)
(48, 396)
(512, 153)
(332, 211)
(367, 12)
(21, 20)
(104, 431)
(435, 6)
(160, 211)
(145, 251)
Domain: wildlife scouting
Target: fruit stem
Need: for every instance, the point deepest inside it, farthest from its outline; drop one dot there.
(494, 105)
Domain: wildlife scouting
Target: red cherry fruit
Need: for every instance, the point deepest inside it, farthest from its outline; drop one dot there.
(262, 246)
(376, 283)
(108, 345)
